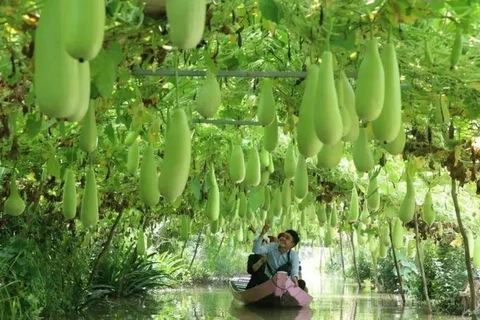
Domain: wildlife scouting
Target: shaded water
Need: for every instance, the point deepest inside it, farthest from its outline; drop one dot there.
(333, 299)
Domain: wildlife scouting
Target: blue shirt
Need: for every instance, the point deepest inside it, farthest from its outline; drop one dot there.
(276, 258)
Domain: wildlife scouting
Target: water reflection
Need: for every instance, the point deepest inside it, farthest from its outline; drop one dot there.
(241, 312)
(333, 299)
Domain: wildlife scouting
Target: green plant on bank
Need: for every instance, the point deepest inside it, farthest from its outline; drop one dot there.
(221, 264)
(126, 274)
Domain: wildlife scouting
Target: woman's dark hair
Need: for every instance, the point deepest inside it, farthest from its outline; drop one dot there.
(294, 235)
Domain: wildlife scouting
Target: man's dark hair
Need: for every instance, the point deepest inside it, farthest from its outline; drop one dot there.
(295, 237)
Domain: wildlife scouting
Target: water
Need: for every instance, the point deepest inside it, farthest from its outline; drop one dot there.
(333, 299)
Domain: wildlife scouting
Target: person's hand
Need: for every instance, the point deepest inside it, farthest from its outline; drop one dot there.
(265, 228)
(295, 281)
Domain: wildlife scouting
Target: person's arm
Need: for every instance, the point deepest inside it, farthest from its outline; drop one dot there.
(257, 245)
(295, 265)
(259, 263)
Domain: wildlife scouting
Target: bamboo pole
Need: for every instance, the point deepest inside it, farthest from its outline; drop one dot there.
(221, 73)
(420, 264)
(399, 276)
(341, 255)
(355, 260)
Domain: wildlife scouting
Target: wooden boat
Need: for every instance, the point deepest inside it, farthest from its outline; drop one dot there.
(277, 292)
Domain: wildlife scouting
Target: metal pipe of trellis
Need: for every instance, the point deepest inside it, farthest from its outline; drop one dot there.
(221, 73)
(220, 122)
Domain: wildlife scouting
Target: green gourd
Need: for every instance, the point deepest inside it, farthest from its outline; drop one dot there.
(186, 19)
(326, 114)
(84, 24)
(266, 199)
(286, 193)
(265, 178)
(290, 164)
(476, 253)
(346, 121)
(88, 134)
(396, 146)
(370, 90)
(349, 101)
(237, 165)
(14, 205)
(442, 114)
(300, 183)
(83, 92)
(141, 242)
(330, 155)
(148, 188)
(177, 157)
(270, 135)
(69, 196)
(56, 77)
(307, 140)
(398, 234)
(209, 98)
(427, 209)
(364, 215)
(456, 49)
(89, 209)
(321, 214)
(277, 204)
(334, 215)
(253, 171)
(362, 153)
(471, 243)
(133, 158)
(353, 210)
(271, 165)
(242, 204)
(264, 157)
(407, 207)
(387, 125)
(428, 53)
(213, 202)
(266, 103)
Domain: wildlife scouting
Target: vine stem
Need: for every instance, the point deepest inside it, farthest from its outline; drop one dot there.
(355, 260)
(399, 276)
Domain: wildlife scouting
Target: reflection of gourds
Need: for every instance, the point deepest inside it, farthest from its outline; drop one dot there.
(14, 205)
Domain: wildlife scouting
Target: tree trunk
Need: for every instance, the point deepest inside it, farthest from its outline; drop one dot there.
(341, 255)
(466, 248)
(196, 248)
(105, 247)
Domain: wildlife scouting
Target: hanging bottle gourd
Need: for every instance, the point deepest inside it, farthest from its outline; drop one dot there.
(14, 205)
(89, 210)
(69, 198)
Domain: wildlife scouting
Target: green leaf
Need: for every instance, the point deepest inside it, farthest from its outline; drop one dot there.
(270, 10)
(110, 132)
(33, 125)
(196, 188)
(256, 198)
(103, 69)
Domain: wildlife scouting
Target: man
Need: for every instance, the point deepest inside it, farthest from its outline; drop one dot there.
(279, 257)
